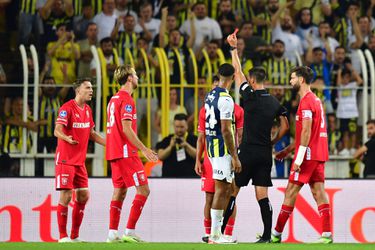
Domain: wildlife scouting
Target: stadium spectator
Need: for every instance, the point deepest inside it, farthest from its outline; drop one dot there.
(55, 13)
(81, 22)
(106, 20)
(211, 48)
(318, 10)
(29, 22)
(178, 150)
(85, 49)
(96, 6)
(367, 151)
(227, 22)
(246, 62)
(146, 23)
(207, 29)
(362, 35)
(167, 24)
(9, 167)
(190, 103)
(340, 62)
(334, 135)
(283, 30)
(5, 100)
(174, 109)
(305, 26)
(263, 21)
(63, 52)
(324, 39)
(123, 9)
(347, 109)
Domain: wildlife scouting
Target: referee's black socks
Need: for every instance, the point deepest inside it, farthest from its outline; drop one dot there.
(266, 211)
(228, 212)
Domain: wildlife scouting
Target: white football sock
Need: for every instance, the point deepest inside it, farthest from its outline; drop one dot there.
(216, 221)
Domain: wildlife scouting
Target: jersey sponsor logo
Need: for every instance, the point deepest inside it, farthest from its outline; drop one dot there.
(218, 172)
(323, 134)
(81, 125)
(306, 114)
(228, 115)
(63, 114)
(128, 108)
(210, 132)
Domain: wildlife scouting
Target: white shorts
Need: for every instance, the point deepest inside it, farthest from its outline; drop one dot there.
(222, 168)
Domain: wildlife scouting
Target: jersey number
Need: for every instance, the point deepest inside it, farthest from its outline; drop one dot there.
(210, 115)
(111, 112)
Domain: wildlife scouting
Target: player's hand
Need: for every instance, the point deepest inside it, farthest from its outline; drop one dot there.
(232, 39)
(236, 165)
(70, 140)
(281, 155)
(150, 155)
(296, 167)
(198, 168)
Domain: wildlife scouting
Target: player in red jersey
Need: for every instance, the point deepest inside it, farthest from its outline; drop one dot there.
(127, 168)
(311, 146)
(205, 170)
(74, 128)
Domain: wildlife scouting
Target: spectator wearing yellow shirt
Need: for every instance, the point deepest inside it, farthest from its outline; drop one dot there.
(63, 52)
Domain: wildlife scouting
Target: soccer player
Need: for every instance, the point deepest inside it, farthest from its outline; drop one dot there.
(261, 109)
(311, 144)
(221, 149)
(205, 170)
(74, 128)
(127, 168)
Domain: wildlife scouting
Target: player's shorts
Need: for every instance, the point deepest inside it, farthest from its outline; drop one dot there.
(70, 177)
(311, 172)
(222, 168)
(208, 183)
(256, 164)
(348, 125)
(128, 172)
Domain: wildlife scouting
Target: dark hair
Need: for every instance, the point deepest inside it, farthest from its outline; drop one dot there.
(299, 15)
(226, 70)
(90, 24)
(340, 47)
(279, 41)
(196, 4)
(246, 22)
(316, 49)
(46, 78)
(80, 81)
(303, 71)
(346, 71)
(366, 17)
(180, 117)
(323, 22)
(352, 2)
(106, 40)
(371, 121)
(259, 73)
(61, 25)
(215, 78)
(86, 3)
(145, 4)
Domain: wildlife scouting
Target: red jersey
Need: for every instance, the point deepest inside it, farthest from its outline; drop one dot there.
(311, 108)
(238, 122)
(120, 107)
(78, 123)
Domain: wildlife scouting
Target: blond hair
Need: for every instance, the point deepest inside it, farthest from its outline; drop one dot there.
(122, 73)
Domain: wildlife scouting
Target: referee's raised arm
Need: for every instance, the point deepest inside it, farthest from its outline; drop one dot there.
(239, 77)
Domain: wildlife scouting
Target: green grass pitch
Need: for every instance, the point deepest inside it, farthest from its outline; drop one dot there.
(180, 246)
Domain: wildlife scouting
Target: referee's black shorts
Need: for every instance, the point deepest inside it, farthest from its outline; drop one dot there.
(256, 164)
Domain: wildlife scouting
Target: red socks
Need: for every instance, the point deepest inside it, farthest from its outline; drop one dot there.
(114, 214)
(284, 214)
(136, 210)
(62, 219)
(77, 216)
(207, 226)
(325, 217)
(229, 226)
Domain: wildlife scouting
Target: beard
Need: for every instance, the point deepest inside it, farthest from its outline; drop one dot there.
(286, 27)
(278, 54)
(296, 87)
(273, 9)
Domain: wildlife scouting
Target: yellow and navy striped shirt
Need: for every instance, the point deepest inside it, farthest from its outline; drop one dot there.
(126, 41)
(28, 6)
(264, 31)
(244, 9)
(12, 138)
(97, 6)
(48, 110)
(341, 30)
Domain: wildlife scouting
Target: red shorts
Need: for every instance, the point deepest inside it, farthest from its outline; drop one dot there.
(208, 183)
(311, 172)
(128, 172)
(70, 177)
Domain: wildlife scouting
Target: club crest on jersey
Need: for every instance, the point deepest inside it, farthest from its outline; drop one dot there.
(64, 181)
(128, 108)
(63, 114)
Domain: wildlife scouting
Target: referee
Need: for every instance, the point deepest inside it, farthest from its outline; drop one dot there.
(261, 110)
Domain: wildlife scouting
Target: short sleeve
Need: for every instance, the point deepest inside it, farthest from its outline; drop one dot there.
(282, 111)
(306, 110)
(370, 144)
(239, 115)
(127, 109)
(63, 116)
(226, 107)
(202, 120)
(164, 143)
(246, 91)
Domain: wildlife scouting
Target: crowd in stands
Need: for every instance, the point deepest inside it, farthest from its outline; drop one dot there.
(324, 34)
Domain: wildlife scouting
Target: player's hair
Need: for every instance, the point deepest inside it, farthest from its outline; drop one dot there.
(122, 73)
(371, 121)
(215, 78)
(180, 117)
(303, 71)
(226, 70)
(80, 81)
(259, 73)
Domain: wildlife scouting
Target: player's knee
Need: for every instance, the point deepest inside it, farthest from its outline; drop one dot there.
(144, 190)
(83, 196)
(65, 197)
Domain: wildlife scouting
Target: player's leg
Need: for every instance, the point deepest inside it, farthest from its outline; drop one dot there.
(82, 196)
(222, 191)
(207, 215)
(266, 211)
(64, 184)
(230, 211)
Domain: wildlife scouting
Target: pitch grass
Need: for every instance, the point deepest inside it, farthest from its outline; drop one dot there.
(180, 246)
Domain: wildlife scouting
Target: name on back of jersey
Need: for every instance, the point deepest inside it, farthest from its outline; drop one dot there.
(210, 132)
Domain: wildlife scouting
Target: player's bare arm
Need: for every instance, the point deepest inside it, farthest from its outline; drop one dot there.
(239, 77)
(305, 139)
(283, 129)
(200, 149)
(133, 138)
(226, 131)
(96, 137)
(239, 135)
(61, 135)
